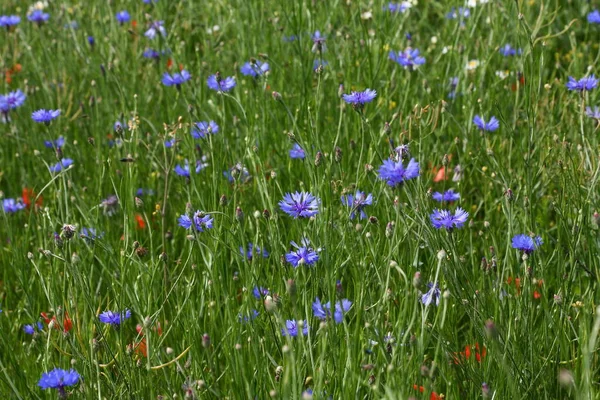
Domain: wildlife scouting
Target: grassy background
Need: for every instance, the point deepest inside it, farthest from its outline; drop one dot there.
(545, 151)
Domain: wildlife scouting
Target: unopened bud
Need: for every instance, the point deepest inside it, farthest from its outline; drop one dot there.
(205, 341)
(417, 280)
(337, 154)
(318, 159)
(139, 203)
(239, 214)
(490, 329)
(276, 96)
(223, 201)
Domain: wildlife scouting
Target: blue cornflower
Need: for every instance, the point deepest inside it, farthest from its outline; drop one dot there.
(318, 42)
(489, 126)
(448, 196)
(91, 41)
(204, 128)
(15, 99)
(445, 219)
(199, 222)
(432, 295)
(59, 379)
(259, 292)
(150, 1)
(144, 192)
(38, 16)
(398, 7)
(585, 83)
(215, 82)
(594, 17)
(29, 329)
(297, 152)
(409, 58)
(359, 99)
(300, 204)
(323, 311)
(11, 206)
(252, 249)
(58, 143)
(237, 173)
(170, 143)
(156, 27)
(151, 53)
(176, 79)
(526, 243)
(248, 318)
(45, 116)
(357, 202)
(113, 318)
(89, 234)
(123, 17)
(319, 63)
(460, 12)
(290, 38)
(186, 171)
(291, 328)
(9, 20)
(394, 173)
(508, 51)
(254, 69)
(62, 164)
(595, 113)
(303, 255)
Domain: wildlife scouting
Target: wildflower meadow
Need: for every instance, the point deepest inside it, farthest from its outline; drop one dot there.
(306, 199)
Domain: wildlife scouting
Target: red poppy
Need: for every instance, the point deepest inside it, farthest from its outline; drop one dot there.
(28, 194)
(169, 63)
(134, 24)
(141, 224)
(141, 348)
(521, 78)
(536, 295)
(66, 325)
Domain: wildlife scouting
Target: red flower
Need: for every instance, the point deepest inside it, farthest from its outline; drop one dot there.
(536, 295)
(141, 348)
(66, 324)
(141, 224)
(28, 195)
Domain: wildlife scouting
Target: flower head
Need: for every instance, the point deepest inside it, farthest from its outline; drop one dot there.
(303, 255)
(38, 16)
(156, 27)
(507, 50)
(489, 126)
(11, 206)
(297, 152)
(357, 203)
(215, 82)
(445, 219)
(458, 13)
(45, 116)
(526, 243)
(447, 196)
(394, 173)
(204, 128)
(62, 164)
(409, 58)
(13, 100)
(59, 379)
(55, 144)
(254, 68)
(90, 234)
(432, 295)
(584, 84)
(398, 7)
(291, 328)
(323, 311)
(114, 318)
(185, 169)
(176, 79)
(151, 53)
(237, 173)
(123, 17)
(319, 63)
(199, 222)
(318, 42)
(359, 99)
(252, 250)
(594, 17)
(259, 292)
(593, 113)
(9, 20)
(300, 204)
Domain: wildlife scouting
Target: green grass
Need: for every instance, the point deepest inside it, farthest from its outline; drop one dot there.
(545, 151)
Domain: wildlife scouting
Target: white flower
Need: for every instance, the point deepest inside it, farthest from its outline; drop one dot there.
(472, 65)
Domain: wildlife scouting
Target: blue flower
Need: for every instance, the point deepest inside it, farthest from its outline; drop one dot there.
(254, 69)
(91, 41)
(29, 329)
(252, 249)
(237, 172)
(303, 255)
(200, 221)
(398, 7)
(45, 116)
(151, 53)
(526, 243)
(186, 171)
(59, 379)
(409, 58)
(156, 27)
(38, 16)
(259, 292)
(144, 192)
(432, 295)
(113, 318)
(585, 83)
(55, 144)
(318, 42)
(319, 63)
(62, 164)
(595, 113)
(9, 20)
(489, 126)
(447, 196)
(215, 82)
(203, 128)
(323, 311)
(11, 206)
(445, 219)
(594, 17)
(359, 99)
(248, 318)
(176, 79)
(460, 12)
(508, 51)
(291, 328)
(357, 203)
(394, 173)
(89, 234)
(123, 17)
(297, 152)
(15, 99)
(300, 204)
